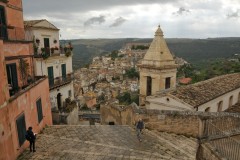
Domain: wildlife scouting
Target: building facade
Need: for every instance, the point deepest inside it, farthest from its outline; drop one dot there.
(157, 69)
(24, 99)
(52, 60)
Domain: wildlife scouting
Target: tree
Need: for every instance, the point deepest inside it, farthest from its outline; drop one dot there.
(114, 54)
(124, 98)
(132, 73)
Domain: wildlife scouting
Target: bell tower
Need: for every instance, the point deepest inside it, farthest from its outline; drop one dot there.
(157, 69)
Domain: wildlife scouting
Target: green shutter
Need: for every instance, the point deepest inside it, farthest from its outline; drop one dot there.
(64, 71)
(50, 76)
(39, 110)
(21, 128)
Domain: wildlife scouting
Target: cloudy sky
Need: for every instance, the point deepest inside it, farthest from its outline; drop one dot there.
(78, 19)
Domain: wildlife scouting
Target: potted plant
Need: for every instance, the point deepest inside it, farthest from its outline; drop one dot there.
(43, 50)
(56, 48)
(52, 50)
(68, 53)
(37, 41)
(65, 49)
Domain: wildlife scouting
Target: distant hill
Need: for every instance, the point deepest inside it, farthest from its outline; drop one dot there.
(192, 50)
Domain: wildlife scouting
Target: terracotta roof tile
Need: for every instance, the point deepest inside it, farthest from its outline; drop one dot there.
(202, 92)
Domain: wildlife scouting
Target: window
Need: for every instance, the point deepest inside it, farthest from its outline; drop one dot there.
(50, 76)
(230, 101)
(12, 78)
(207, 109)
(21, 128)
(168, 82)
(3, 26)
(220, 104)
(39, 110)
(69, 93)
(63, 66)
(149, 86)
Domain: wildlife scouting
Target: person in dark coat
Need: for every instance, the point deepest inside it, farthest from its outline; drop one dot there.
(139, 127)
(31, 139)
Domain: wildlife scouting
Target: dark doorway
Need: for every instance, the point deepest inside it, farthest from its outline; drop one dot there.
(50, 76)
(59, 101)
(168, 83)
(111, 123)
(149, 86)
(12, 78)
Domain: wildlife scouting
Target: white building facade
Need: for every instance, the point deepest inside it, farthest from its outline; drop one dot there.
(52, 60)
(213, 95)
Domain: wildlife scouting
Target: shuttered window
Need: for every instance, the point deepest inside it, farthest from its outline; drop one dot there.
(21, 128)
(39, 110)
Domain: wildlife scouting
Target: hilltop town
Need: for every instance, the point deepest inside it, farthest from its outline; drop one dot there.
(139, 102)
(109, 77)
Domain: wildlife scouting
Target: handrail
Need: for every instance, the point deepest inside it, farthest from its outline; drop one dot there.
(221, 139)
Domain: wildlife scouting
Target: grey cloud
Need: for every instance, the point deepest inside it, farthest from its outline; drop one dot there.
(93, 20)
(234, 14)
(39, 7)
(181, 11)
(119, 21)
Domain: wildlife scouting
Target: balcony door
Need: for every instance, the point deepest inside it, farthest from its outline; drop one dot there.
(12, 78)
(64, 72)
(46, 45)
(50, 76)
(3, 26)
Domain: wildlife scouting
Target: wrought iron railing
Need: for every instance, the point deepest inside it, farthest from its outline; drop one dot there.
(220, 134)
(56, 82)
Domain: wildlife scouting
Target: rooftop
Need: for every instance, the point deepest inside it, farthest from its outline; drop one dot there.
(42, 23)
(202, 92)
(109, 142)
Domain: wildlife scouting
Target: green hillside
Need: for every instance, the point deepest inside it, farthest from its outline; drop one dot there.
(192, 50)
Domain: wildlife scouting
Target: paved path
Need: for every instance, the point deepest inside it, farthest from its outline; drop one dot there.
(109, 143)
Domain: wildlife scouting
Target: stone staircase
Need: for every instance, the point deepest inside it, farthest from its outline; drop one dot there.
(109, 142)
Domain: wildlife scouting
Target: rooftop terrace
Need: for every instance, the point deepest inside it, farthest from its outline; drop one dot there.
(109, 142)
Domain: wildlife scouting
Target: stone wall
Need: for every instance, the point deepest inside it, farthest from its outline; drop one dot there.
(116, 114)
(173, 123)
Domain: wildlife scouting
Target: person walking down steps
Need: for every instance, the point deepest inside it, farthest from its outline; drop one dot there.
(139, 127)
(31, 138)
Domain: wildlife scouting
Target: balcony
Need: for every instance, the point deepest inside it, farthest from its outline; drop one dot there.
(51, 52)
(12, 33)
(60, 81)
(14, 93)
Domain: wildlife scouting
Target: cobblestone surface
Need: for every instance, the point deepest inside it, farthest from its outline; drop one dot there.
(109, 143)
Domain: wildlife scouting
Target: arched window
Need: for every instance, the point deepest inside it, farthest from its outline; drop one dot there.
(220, 104)
(149, 86)
(207, 109)
(230, 101)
